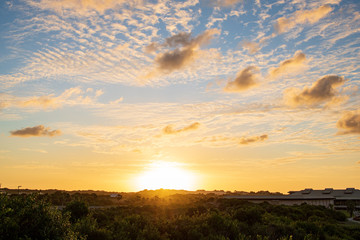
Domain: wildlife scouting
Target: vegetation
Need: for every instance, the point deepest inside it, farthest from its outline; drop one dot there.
(179, 216)
(28, 217)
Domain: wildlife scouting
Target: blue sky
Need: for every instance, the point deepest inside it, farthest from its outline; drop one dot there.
(246, 95)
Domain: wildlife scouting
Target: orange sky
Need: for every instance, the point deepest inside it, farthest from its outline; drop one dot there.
(232, 95)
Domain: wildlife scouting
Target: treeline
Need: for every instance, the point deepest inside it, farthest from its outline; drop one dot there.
(61, 198)
(181, 217)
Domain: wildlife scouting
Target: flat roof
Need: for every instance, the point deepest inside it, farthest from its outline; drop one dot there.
(285, 197)
(306, 194)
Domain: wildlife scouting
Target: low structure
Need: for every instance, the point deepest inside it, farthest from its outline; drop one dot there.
(339, 198)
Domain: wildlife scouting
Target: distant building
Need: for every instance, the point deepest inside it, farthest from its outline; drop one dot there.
(338, 198)
(115, 196)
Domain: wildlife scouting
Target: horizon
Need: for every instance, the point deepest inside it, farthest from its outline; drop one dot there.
(197, 94)
(161, 189)
(165, 189)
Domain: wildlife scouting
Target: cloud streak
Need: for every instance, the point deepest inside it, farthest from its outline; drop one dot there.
(71, 96)
(41, 101)
(225, 3)
(37, 131)
(81, 6)
(301, 17)
(170, 130)
(324, 89)
(245, 140)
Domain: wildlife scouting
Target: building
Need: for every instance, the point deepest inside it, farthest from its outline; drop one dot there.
(115, 195)
(329, 197)
(342, 198)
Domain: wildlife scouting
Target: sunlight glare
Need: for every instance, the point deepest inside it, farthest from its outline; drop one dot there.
(166, 175)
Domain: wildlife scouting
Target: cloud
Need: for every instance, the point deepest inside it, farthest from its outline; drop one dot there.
(234, 140)
(301, 17)
(322, 90)
(175, 60)
(180, 39)
(225, 3)
(3, 104)
(152, 47)
(247, 140)
(117, 101)
(71, 96)
(289, 65)
(34, 150)
(170, 130)
(185, 52)
(247, 78)
(37, 131)
(251, 47)
(80, 6)
(349, 123)
(42, 101)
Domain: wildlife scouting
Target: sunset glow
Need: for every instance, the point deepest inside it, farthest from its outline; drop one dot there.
(181, 94)
(165, 175)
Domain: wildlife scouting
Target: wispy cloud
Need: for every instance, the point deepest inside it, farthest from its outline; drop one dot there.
(71, 96)
(225, 140)
(37, 131)
(224, 3)
(247, 140)
(301, 17)
(103, 44)
(323, 90)
(251, 47)
(34, 150)
(80, 6)
(349, 123)
(41, 101)
(245, 79)
(169, 129)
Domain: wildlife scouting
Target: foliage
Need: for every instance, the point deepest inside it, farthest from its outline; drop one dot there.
(77, 209)
(177, 217)
(28, 217)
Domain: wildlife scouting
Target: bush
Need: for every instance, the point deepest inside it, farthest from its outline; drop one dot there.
(27, 217)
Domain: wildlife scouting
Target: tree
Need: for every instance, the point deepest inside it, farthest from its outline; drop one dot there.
(78, 209)
(28, 217)
(350, 207)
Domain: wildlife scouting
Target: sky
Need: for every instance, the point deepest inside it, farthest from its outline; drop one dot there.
(199, 94)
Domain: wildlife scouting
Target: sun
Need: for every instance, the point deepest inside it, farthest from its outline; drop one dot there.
(166, 175)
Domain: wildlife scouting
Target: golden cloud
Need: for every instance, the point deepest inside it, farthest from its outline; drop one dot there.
(349, 123)
(71, 96)
(225, 3)
(42, 101)
(81, 6)
(37, 131)
(301, 17)
(170, 130)
(247, 140)
(251, 47)
(245, 79)
(324, 89)
(237, 140)
(289, 65)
